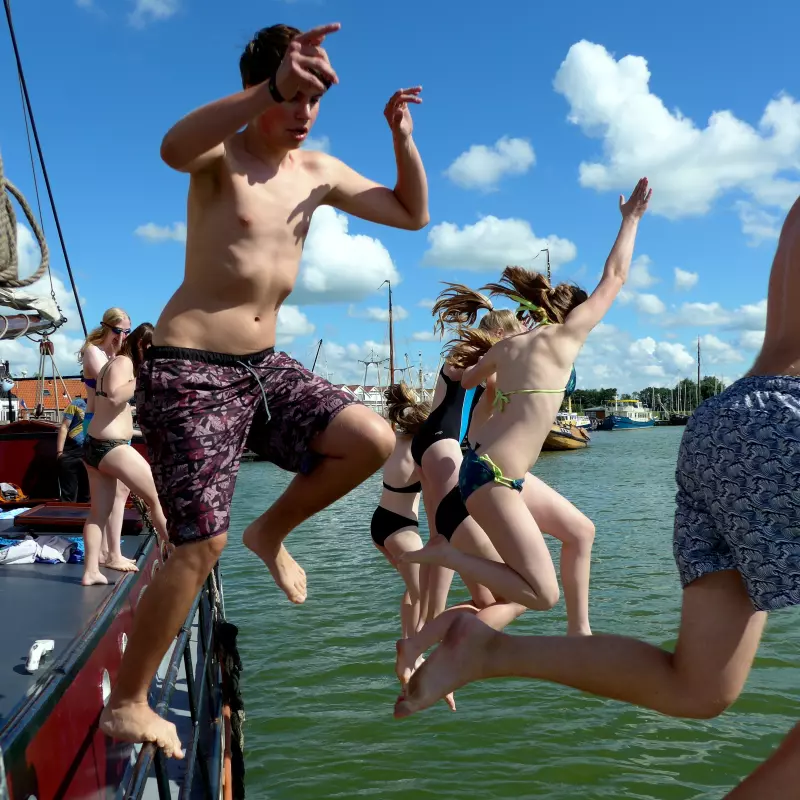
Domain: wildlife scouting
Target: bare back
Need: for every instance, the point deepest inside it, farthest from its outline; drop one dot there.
(538, 359)
(780, 353)
(400, 471)
(247, 224)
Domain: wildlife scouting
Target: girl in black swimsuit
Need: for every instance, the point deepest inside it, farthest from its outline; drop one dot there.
(436, 448)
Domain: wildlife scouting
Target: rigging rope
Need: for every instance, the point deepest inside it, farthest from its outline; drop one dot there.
(9, 256)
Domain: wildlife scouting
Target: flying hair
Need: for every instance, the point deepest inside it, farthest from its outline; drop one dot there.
(404, 408)
(538, 301)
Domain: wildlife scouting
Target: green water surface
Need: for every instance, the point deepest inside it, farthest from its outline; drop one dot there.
(319, 684)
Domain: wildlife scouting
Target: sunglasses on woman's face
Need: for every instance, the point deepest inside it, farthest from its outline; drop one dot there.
(118, 331)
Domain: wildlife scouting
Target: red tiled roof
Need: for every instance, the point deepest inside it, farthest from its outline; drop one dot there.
(25, 390)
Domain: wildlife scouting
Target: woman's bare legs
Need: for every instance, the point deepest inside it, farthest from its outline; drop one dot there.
(439, 473)
(395, 545)
(528, 576)
(410, 649)
(126, 465)
(103, 490)
(111, 551)
(717, 642)
(555, 515)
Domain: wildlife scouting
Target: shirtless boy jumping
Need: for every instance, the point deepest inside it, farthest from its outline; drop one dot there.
(213, 382)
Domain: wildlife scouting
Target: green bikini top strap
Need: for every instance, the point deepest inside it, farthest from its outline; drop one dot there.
(501, 399)
(526, 305)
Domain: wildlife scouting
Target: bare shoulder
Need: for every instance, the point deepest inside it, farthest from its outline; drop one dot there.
(93, 359)
(453, 373)
(121, 367)
(323, 165)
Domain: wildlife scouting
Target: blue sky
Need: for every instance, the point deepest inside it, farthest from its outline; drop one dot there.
(534, 120)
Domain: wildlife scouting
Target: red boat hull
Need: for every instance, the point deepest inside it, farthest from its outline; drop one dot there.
(64, 755)
(28, 457)
(56, 750)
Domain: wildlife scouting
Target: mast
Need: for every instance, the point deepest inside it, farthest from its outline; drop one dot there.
(421, 387)
(319, 347)
(391, 338)
(698, 371)
(391, 333)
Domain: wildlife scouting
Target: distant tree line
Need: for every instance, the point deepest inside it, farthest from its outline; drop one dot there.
(682, 396)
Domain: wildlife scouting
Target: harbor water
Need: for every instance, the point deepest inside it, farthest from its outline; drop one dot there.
(319, 684)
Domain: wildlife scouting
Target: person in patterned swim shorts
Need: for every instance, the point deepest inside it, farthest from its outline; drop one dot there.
(213, 382)
(736, 544)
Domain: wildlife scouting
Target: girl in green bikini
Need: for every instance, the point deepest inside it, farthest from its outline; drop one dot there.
(530, 372)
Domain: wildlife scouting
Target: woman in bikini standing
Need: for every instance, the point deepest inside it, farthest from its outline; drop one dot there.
(102, 344)
(108, 454)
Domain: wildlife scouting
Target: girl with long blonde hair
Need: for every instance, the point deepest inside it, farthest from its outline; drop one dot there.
(102, 344)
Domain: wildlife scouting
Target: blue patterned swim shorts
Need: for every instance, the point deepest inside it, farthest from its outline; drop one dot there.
(738, 496)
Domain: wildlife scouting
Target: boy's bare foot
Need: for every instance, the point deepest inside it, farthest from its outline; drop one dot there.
(407, 664)
(138, 722)
(286, 572)
(459, 660)
(93, 578)
(437, 551)
(121, 564)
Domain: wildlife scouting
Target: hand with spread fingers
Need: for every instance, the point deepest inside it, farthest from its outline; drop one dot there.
(306, 68)
(397, 112)
(636, 204)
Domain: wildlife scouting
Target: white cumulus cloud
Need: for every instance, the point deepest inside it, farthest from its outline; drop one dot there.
(338, 266)
(292, 323)
(685, 280)
(715, 351)
(492, 244)
(748, 317)
(640, 276)
(482, 167)
(145, 11)
(426, 302)
(425, 336)
(162, 233)
(322, 143)
(689, 166)
(757, 224)
(649, 304)
(751, 340)
(379, 314)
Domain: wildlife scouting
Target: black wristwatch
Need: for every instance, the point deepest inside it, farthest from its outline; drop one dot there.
(274, 91)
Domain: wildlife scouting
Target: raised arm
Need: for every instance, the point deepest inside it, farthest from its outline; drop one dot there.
(196, 142)
(405, 206)
(783, 296)
(582, 319)
(478, 373)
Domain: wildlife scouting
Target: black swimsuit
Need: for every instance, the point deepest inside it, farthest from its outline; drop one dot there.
(385, 523)
(449, 420)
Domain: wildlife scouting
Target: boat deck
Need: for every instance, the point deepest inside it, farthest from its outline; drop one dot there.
(45, 601)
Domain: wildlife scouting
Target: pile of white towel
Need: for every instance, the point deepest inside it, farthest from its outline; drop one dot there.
(46, 549)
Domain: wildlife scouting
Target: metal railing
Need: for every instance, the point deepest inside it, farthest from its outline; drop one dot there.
(151, 759)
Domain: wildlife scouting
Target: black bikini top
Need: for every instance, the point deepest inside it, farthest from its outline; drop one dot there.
(411, 488)
(102, 376)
